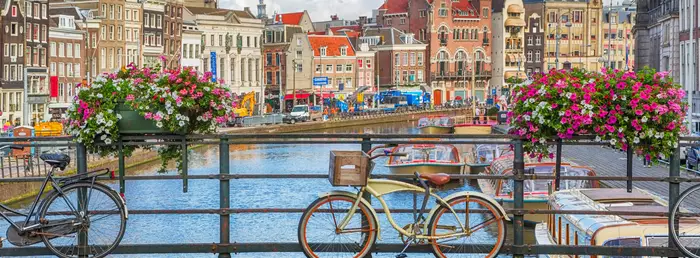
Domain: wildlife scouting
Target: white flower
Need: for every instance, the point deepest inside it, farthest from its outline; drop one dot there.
(613, 141)
(170, 111)
(597, 138)
(561, 113)
(110, 123)
(108, 141)
(159, 124)
(619, 129)
(623, 97)
(568, 95)
(179, 104)
(675, 145)
(80, 140)
(644, 119)
(168, 103)
(541, 120)
(636, 140)
(532, 100)
(99, 95)
(207, 89)
(181, 123)
(526, 117)
(614, 97)
(119, 116)
(103, 137)
(110, 111)
(642, 135)
(543, 140)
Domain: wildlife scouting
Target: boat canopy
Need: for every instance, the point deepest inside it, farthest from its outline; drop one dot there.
(441, 121)
(488, 152)
(417, 153)
(545, 167)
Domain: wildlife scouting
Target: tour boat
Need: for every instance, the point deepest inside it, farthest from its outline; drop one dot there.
(436, 125)
(608, 230)
(425, 159)
(474, 128)
(536, 192)
(482, 155)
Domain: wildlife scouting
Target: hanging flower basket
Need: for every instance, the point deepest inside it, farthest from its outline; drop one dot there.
(141, 101)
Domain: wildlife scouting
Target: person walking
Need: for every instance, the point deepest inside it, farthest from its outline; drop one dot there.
(647, 161)
(477, 114)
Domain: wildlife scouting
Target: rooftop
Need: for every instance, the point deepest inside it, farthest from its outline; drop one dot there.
(289, 18)
(333, 45)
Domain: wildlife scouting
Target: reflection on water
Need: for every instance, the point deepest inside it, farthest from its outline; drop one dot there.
(251, 193)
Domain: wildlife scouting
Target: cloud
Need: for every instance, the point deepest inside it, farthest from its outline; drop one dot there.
(319, 10)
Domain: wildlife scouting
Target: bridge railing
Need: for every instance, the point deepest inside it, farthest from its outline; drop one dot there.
(225, 247)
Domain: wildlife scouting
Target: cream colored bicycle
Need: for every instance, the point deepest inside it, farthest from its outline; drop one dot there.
(343, 224)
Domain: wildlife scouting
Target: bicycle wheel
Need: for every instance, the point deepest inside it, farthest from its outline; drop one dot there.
(685, 221)
(486, 228)
(104, 225)
(318, 234)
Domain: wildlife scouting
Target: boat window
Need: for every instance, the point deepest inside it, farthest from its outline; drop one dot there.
(437, 153)
(623, 242)
(662, 241)
(423, 122)
(575, 184)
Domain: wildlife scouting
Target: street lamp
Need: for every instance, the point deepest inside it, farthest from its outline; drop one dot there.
(558, 38)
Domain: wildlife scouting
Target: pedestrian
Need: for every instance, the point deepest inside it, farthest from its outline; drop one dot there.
(477, 113)
(647, 161)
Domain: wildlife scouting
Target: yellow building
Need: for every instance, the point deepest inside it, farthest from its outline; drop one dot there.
(576, 27)
(618, 39)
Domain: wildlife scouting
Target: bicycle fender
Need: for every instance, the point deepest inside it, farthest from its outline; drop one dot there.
(365, 202)
(464, 193)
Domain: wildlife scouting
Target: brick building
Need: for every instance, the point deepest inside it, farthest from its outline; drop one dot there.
(401, 59)
(508, 44)
(172, 33)
(334, 57)
(152, 39)
(36, 58)
(65, 58)
(534, 38)
(13, 40)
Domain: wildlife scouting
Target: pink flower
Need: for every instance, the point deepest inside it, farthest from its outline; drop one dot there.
(567, 113)
(671, 126)
(183, 92)
(554, 105)
(621, 85)
(573, 97)
(162, 58)
(612, 120)
(130, 97)
(639, 112)
(636, 87)
(610, 128)
(148, 115)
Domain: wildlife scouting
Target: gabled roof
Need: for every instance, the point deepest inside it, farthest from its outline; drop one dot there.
(465, 9)
(289, 18)
(332, 44)
(244, 14)
(390, 36)
(395, 6)
(316, 33)
(208, 11)
(338, 29)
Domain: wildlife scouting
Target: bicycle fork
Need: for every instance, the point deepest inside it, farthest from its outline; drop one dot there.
(416, 226)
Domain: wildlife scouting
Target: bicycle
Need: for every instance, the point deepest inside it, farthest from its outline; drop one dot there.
(683, 220)
(350, 220)
(66, 220)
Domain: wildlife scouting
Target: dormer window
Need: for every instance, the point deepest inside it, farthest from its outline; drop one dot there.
(344, 51)
(323, 51)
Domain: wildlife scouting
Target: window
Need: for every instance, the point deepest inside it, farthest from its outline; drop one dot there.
(52, 49)
(404, 76)
(146, 20)
(248, 41)
(53, 69)
(37, 10)
(119, 12)
(339, 68)
(485, 12)
(359, 63)
(43, 11)
(159, 19)
(318, 68)
(368, 63)
(405, 59)
(119, 32)
(537, 56)
(403, 21)
(69, 50)
(300, 67)
(420, 76)
(348, 68)
(7, 49)
(103, 58)
(111, 11)
(329, 68)
(61, 49)
(577, 16)
(14, 31)
(136, 15)
(348, 82)
(20, 49)
(413, 58)
(343, 51)
(529, 55)
(111, 32)
(278, 58)
(268, 59)
(69, 70)
(211, 43)
(298, 54)
(422, 13)
(13, 50)
(323, 51)
(420, 59)
(221, 40)
(61, 68)
(529, 40)
(397, 59)
(128, 15)
(104, 10)
(538, 40)
(28, 6)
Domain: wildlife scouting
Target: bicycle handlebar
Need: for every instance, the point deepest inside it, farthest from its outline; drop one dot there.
(16, 147)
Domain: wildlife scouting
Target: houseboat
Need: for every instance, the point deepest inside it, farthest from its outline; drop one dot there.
(474, 128)
(482, 155)
(536, 191)
(608, 230)
(436, 125)
(425, 159)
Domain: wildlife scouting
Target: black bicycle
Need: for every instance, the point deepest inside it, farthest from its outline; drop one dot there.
(79, 217)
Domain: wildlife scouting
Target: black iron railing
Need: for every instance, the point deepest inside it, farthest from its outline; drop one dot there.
(227, 245)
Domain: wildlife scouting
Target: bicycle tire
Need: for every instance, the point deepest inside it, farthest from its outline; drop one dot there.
(368, 240)
(499, 218)
(100, 188)
(671, 221)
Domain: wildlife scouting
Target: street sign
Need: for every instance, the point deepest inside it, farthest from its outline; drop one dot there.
(341, 86)
(320, 81)
(213, 66)
(493, 91)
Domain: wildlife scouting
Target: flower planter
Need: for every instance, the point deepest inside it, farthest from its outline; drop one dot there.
(134, 123)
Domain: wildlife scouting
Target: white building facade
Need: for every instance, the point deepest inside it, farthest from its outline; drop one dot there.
(132, 31)
(191, 46)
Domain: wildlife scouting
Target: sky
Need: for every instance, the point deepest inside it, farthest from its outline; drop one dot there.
(319, 10)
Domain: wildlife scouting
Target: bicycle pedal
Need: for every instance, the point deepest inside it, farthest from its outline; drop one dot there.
(401, 256)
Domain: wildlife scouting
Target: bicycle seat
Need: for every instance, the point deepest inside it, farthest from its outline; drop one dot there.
(56, 160)
(437, 179)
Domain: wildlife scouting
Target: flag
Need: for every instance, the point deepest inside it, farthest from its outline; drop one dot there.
(54, 86)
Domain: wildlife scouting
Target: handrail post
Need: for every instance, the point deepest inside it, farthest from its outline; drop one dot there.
(122, 167)
(629, 167)
(224, 196)
(366, 147)
(81, 156)
(557, 172)
(674, 188)
(184, 164)
(518, 193)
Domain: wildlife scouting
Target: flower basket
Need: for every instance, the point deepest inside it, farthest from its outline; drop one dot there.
(134, 123)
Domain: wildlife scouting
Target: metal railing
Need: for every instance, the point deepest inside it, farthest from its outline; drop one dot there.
(226, 245)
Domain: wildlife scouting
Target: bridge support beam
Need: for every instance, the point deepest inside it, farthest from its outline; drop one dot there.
(224, 196)
(518, 192)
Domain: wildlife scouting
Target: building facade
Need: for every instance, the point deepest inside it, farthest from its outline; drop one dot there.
(689, 74)
(172, 33)
(618, 45)
(36, 58)
(334, 57)
(656, 34)
(152, 39)
(508, 52)
(534, 38)
(299, 70)
(66, 63)
(400, 58)
(191, 45)
(132, 30)
(573, 34)
(12, 100)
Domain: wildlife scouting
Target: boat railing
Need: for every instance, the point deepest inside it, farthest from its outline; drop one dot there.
(230, 178)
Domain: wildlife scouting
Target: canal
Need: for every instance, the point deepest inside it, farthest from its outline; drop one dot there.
(263, 193)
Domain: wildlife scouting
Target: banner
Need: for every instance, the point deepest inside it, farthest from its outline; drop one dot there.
(53, 82)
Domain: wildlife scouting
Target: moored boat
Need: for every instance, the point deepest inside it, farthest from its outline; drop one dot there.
(436, 125)
(425, 159)
(608, 230)
(536, 191)
(474, 128)
(482, 155)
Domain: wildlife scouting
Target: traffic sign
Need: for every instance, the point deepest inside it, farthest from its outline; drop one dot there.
(493, 91)
(213, 66)
(320, 81)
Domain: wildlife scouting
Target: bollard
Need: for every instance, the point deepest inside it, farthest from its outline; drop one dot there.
(674, 187)
(518, 192)
(557, 172)
(224, 196)
(122, 167)
(629, 168)
(184, 164)
(82, 200)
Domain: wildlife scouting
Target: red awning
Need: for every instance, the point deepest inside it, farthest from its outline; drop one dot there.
(458, 98)
(299, 96)
(327, 95)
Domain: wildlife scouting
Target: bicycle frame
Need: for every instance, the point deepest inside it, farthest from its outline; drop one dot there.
(380, 187)
(26, 227)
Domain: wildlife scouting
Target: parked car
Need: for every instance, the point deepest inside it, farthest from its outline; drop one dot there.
(302, 113)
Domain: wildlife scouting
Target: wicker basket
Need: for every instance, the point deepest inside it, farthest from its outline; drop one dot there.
(349, 168)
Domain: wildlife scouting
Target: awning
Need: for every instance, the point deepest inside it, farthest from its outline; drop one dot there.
(515, 22)
(299, 96)
(326, 95)
(521, 74)
(515, 9)
(510, 58)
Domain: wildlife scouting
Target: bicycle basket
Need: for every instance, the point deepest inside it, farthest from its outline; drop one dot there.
(349, 168)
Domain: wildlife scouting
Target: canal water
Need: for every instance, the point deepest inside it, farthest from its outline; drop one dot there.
(250, 193)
